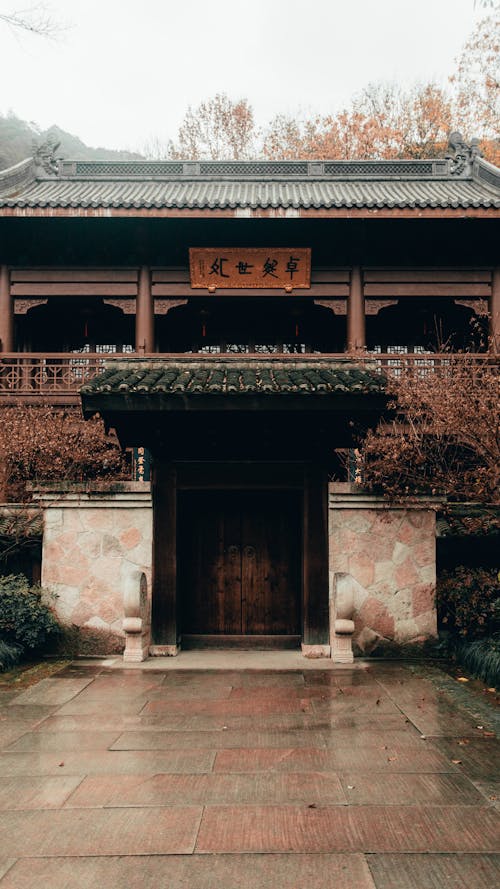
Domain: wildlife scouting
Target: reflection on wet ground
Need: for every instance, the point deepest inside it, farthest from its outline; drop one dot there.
(232, 778)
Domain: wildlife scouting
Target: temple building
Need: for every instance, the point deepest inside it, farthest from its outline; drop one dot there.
(234, 322)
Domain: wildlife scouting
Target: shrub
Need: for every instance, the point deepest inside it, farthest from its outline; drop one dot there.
(26, 620)
(481, 657)
(9, 655)
(468, 601)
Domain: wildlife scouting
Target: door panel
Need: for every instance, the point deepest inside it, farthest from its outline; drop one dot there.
(239, 563)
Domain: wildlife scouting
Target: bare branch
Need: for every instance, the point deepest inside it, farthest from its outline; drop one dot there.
(37, 19)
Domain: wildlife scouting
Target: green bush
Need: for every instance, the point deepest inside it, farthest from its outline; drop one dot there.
(26, 620)
(468, 601)
(9, 655)
(481, 657)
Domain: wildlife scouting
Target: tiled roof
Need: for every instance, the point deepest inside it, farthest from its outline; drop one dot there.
(233, 377)
(252, 185)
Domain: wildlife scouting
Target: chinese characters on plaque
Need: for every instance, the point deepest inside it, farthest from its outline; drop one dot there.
(235, 267)
(141, 464)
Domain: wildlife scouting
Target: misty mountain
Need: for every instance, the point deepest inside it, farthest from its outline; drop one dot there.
(17, 137)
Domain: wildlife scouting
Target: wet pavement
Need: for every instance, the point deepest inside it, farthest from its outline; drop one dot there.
(375, 777)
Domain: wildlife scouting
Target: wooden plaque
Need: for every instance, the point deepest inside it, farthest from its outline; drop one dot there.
(282, 268)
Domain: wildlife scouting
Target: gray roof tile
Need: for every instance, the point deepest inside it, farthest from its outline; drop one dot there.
(235, 377)
(252, 185)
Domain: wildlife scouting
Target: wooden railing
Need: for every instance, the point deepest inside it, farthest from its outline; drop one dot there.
(58, 377)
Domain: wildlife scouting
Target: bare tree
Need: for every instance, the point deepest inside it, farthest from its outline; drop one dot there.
(37, 19)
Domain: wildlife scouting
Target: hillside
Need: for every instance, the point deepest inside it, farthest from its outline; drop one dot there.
(17, 137)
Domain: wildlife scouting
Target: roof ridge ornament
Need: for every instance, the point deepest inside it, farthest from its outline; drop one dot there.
(461, 155)
(44, 157)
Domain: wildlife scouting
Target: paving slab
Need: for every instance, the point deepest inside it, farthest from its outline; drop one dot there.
(52, 691)
(76, 832)
(6, 864)
(11, 731)
(137, 762)
(475, 757)
(346, 829)
(62, 742)
(37, 793)
(343, 759)
(148, 740)
(440, 871)
(490, 789)
(253, 707)
(210, 789)
(194, 872)
(373, 788)
(102, 721)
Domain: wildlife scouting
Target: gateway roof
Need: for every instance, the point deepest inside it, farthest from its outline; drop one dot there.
(461, 180)
(195, 376)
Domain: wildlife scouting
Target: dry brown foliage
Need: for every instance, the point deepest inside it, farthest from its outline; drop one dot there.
(445, 435)
(47, 443)
(384, 121)
(218, 129)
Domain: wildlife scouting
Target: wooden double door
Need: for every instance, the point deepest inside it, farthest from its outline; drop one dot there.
(239, 563)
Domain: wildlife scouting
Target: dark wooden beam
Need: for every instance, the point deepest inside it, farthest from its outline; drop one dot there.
(6, 311)
(315, 562)
(164, 605)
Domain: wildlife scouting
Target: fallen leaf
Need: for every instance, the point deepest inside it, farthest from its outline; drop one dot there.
(462, 679)
(493, 690)
(457, 762)
(488, 734)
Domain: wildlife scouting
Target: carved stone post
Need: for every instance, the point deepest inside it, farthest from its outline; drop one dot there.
(495, 311)
(356, 325)
(6, 312)
(144, 318)
(136, 618)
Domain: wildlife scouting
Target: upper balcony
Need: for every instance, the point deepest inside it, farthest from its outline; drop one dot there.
(56, 378)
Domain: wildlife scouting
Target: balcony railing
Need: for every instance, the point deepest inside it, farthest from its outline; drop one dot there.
(57, 377)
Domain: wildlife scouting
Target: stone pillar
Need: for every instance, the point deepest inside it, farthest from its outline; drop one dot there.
(356, 325)
(145, 313)
(495, 311)
(6, 312)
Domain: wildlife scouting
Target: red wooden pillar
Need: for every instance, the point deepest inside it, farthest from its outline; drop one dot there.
(144, 313)
(495, 311)
(6, 312)
(356, 325)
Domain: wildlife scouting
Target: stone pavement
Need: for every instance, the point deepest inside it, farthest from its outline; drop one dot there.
(369, 777)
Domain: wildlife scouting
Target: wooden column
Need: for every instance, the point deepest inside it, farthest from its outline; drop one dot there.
(495, 311)
(316, 597)
(165, 629)
(356, 336)
(145, 313)
(6, 312)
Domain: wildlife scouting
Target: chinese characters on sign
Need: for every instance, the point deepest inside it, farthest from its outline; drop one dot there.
(234, 267)
(141, 464)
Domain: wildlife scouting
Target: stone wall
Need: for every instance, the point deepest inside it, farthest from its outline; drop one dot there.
(389, 552)
(94, 538)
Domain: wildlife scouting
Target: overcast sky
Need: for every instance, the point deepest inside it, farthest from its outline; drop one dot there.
(124, 71)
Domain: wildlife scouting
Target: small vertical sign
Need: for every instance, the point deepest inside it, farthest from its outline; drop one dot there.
(141, 465)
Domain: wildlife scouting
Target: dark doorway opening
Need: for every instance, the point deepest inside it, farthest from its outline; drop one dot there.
(239, 557)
